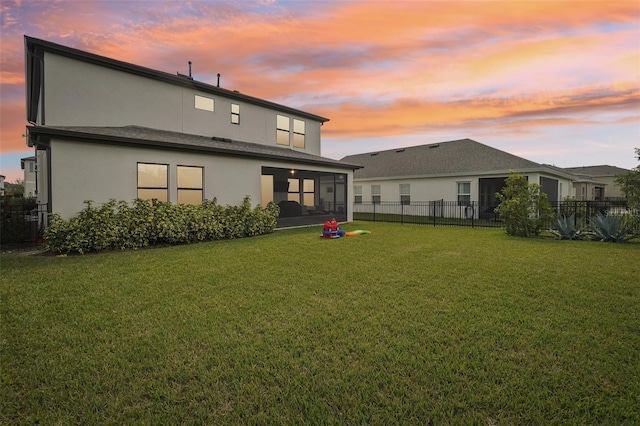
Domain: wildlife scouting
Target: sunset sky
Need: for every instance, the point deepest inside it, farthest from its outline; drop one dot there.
(554, 82)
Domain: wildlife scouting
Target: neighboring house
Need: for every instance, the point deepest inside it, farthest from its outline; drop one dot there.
(105, 129)
(464, 170)
(2, 177)
(28, 164)
(597, 182)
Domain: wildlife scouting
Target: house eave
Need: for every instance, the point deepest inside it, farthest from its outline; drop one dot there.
(467, 174)
(41, 136)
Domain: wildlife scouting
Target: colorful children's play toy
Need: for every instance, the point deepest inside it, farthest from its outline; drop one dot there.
(356, 232)
(331, 230)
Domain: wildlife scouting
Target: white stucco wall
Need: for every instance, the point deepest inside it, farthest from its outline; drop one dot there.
(422, 189)
(29, 176)
(445, 188)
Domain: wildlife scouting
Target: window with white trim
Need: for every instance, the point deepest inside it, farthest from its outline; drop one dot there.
(357, 194)
(405, 194)
(464, 193)
(375, 194)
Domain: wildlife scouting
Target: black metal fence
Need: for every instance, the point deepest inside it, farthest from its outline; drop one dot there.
(22, 222)
(472, 214)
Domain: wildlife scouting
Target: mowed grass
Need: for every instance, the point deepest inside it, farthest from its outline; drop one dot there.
(408, 325)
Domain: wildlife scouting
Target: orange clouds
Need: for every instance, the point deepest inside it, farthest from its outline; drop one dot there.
(406, 116)
(375, 68)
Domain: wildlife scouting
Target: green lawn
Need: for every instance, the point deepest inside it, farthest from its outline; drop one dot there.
(408, 325)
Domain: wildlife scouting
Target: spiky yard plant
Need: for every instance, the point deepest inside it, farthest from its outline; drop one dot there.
(609, 229)
(567, 228)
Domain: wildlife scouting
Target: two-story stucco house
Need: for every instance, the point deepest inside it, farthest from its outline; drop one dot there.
(597, 183)
(106, 129)
(464, 171)
(28, 165)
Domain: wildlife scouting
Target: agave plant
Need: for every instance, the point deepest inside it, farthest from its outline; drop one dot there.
(567, 228)
(609, 228)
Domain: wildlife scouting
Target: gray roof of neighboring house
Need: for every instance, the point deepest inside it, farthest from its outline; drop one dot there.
(459, 157)
(153, 138)
(597, 171)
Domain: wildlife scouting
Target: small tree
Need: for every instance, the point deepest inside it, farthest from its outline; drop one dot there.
(630, 186)
(524, 209)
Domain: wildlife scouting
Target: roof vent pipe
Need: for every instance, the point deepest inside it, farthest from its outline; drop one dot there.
(190, 69)
(218, 80)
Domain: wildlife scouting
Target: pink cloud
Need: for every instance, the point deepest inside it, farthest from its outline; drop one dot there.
(374, 68)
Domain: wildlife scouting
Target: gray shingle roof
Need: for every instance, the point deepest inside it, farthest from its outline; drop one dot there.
(462, 157)
(144, 136)
(597, 171)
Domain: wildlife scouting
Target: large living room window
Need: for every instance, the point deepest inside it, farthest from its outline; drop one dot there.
(298, 133)
(282, 132)
(189, 180)
(153, 181)
(464, 193)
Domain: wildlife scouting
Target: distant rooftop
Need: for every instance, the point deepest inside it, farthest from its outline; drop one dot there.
(597, 171)
(464, 156)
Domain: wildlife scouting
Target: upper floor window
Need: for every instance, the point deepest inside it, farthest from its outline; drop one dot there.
(205, 104)
(153, 181)
(464, 193)
(189, 181)
(357, 194)
(375, 194)
(235, 113)
(282, 125)
(298, 133)
(405, 193)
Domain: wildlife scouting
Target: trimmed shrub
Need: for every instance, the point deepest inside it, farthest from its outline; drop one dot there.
(524, 209)
(119, 225)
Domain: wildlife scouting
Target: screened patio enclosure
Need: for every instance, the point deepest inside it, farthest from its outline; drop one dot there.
(305, 197)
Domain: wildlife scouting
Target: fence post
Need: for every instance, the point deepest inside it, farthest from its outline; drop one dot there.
(374, 211)
(401, 213)
(473, 213)
(434, 214)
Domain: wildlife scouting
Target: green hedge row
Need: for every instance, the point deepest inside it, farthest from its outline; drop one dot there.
(120, 225)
